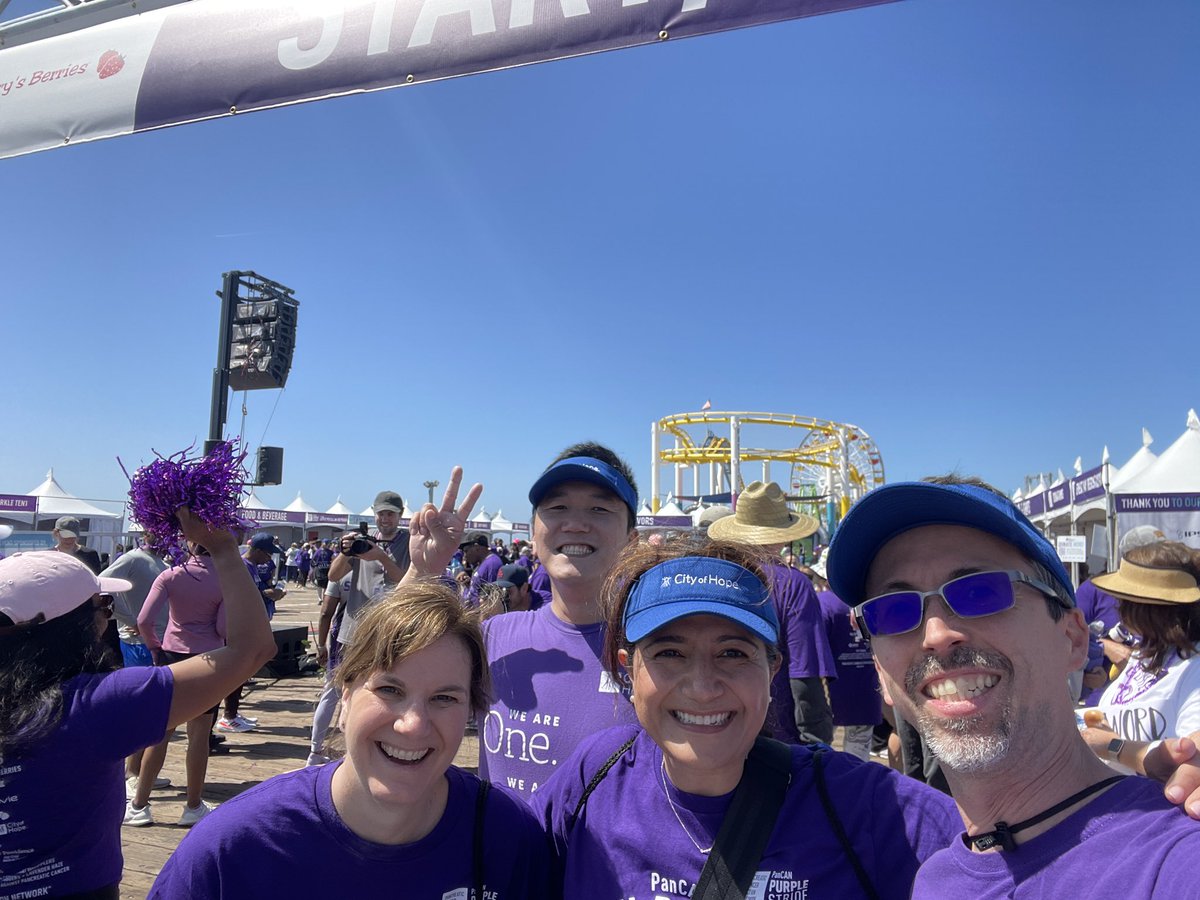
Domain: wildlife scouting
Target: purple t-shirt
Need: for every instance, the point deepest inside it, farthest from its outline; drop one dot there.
(1129, 842)
(629, 843)
(284, 838)
(854, 695)
(1096, 606)
(802, 642)
(487, 572)
(551, 692)
(60, 832)
(539, 587)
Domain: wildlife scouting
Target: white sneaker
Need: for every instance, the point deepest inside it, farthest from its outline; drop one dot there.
(316, 759)
(132, 781)
(138, 818)
(193, 814)
(236, 724)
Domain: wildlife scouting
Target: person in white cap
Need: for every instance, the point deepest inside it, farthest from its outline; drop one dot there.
(68, 720)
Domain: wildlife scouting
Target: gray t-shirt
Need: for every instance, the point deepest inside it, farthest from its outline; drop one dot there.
(368, 584)
(140, 568)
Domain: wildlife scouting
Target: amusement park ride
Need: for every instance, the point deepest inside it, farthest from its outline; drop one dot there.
(831, 464)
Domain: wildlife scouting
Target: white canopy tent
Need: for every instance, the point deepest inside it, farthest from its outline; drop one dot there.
(1165, 493)
(101, 528)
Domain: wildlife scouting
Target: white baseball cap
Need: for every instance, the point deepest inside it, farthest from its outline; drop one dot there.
(49, 583)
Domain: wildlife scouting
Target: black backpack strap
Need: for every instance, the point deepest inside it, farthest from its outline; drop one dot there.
(477, 842)
(839, 831)
(748, 824)
(597, 778)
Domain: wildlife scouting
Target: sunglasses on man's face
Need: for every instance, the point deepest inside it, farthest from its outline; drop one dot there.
(969, 597)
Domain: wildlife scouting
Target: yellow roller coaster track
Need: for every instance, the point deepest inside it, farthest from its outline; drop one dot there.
(819, 448)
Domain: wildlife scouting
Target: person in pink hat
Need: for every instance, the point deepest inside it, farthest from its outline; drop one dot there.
(68, 717)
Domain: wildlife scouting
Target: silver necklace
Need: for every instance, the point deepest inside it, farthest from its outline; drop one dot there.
(662, 771)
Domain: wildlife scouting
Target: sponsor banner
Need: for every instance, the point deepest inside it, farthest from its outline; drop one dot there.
(1089, 485)
(481, 525)
(326, 519)
(26, 541)
(1058, 496)
(664, 521)
(1180, 525)
(1157, 503)
(273, 516)
(17, 503)
(520, 528)
(1033, 506)
(210, 58)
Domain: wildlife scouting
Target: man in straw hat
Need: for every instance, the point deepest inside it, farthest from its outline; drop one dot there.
(974, 630)
(801, 708)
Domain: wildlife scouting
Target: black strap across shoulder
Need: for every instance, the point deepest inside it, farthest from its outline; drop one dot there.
(597, 778)
(748, 824)
(477, 842)
(835, 823)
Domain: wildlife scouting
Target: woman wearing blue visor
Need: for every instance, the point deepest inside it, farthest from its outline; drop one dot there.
(692, 802)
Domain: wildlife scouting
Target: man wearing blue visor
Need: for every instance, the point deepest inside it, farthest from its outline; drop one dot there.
(550, 687)
(974, 631)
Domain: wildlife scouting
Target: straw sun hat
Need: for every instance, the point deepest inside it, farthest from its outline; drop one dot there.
(1148, 584)
(763, 518)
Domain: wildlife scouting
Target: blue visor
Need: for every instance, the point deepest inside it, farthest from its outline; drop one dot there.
(584, 468)
(697, 585)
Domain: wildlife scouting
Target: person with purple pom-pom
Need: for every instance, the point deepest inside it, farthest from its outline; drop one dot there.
(68, 719)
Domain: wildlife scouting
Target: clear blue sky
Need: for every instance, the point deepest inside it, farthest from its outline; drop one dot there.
(967, 226)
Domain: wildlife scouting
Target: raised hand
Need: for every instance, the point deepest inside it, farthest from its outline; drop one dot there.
(435, 532)
(211, 539)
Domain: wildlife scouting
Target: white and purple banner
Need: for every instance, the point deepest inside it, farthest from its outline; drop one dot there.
(19, 503)
(1176, 515)
(211, 58)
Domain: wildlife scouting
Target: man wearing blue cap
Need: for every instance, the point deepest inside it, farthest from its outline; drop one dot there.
(550, 686)
(974, 631)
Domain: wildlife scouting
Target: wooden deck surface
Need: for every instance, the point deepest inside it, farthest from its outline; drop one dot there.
(284, 709)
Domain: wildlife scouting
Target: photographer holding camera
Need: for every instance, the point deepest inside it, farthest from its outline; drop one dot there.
(376, 563)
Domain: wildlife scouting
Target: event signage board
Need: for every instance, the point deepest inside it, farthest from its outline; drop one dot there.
(1072, 548)
(273, 516)
(17, 503)
(326, 519)
(1058, 496)
(1157, 503)
(1088, 485)
(207, 59)
(664, 521)
(1032, 506)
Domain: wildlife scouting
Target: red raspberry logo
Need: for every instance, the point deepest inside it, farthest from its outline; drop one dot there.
(111, 62)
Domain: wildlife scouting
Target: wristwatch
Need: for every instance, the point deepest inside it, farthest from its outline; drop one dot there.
(1115, 746)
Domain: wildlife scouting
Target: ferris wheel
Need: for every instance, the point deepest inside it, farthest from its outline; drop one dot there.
(828, 462)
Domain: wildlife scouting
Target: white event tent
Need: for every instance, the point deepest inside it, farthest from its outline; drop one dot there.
(1166, 492)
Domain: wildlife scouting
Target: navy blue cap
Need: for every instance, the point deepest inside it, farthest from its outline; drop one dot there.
(512, 575)
(694, 585)
(584, 468)
(265, 541)
(893, 509)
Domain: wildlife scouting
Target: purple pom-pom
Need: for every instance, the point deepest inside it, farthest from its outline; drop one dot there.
(210, 486)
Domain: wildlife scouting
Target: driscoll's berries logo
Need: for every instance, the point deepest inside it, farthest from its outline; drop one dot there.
(111, 62)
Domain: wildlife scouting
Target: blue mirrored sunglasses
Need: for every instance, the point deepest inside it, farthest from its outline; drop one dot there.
(969, 597)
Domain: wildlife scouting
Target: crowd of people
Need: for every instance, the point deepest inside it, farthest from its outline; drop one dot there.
(654, 714)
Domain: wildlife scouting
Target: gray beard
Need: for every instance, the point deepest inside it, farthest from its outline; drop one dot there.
(961, 745)
(968, 745)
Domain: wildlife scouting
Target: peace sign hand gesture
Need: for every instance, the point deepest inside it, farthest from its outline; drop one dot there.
(435, 532)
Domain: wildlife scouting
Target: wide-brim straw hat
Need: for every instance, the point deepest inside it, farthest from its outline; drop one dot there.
(1149, 584)
(762, 517)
